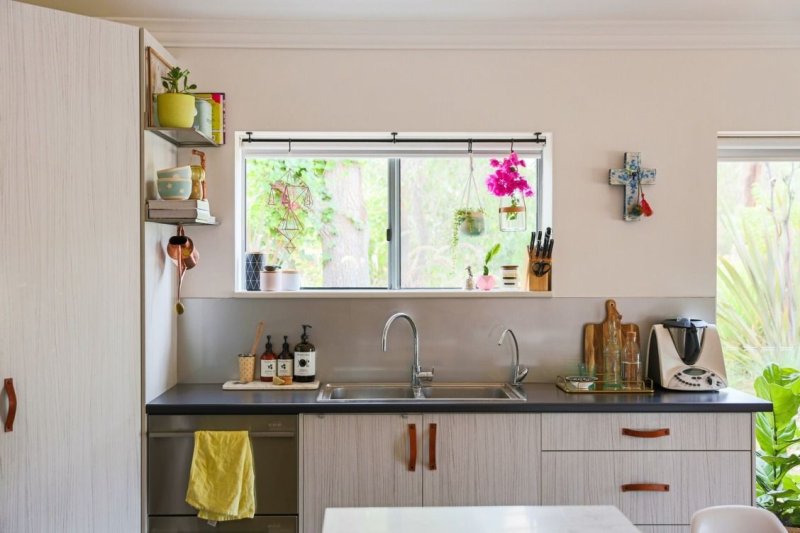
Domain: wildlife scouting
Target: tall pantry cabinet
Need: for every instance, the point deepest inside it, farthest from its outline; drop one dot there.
(70, 327)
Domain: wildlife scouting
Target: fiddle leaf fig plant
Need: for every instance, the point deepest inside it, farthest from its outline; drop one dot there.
(172, 81)
(777, 435)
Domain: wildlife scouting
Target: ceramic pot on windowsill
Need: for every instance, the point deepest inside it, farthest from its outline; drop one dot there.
(486, 283)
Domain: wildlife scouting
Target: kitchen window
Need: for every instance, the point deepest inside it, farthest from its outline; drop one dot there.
(758, 261)
(369, 213)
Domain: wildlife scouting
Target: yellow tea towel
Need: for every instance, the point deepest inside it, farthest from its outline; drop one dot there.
(221, 481)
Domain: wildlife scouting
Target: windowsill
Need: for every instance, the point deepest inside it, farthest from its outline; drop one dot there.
(386, 293)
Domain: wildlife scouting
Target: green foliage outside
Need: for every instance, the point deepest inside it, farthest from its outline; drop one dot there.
(343, 241)
(758, 290)
(777, 488)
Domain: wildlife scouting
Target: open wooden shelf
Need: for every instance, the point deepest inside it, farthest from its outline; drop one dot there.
(183, 136)
(186, 222)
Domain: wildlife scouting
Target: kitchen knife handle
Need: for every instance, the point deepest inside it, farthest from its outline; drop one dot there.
(412, 445)
(645, 487)
(432, 447)
(646, 434)
(8, 384)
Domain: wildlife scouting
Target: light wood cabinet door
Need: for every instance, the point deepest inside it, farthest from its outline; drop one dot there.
(70, 217)
(482, 459)
(695, 480)
(646, 431)
(359, 461)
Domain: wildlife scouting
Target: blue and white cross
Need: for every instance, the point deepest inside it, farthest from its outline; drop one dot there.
(632, 177)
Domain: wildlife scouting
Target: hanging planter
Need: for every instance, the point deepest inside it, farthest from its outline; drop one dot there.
(513, 212)
(512, 188)
(469, 220)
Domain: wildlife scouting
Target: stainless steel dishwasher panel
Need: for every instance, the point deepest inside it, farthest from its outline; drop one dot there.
(171, 443)
(192, 524)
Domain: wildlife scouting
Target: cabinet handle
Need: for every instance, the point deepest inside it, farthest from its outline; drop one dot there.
(646, 434)
(8, 384)
(645, 487)
(432, 447)
(412, 444)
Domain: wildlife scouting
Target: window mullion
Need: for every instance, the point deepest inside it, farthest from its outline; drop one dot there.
(394, 224)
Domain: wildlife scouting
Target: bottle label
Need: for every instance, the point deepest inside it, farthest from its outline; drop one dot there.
(268, 368)
(305, 363)
(284, 368)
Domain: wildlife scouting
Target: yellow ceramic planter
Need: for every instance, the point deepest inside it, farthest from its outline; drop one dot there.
(176, 110)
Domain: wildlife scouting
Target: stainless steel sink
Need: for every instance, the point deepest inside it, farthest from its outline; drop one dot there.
(402, 392)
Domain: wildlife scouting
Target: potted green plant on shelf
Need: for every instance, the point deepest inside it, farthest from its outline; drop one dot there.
(486, 281)
(468, 221)
(777, 435)
(176, 107)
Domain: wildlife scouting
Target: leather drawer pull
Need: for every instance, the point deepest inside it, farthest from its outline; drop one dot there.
(8, 384)
(645, 487)
(646, 434)
(412, 444)
(432, 447)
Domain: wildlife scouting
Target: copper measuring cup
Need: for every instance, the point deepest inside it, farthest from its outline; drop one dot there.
(183, 253)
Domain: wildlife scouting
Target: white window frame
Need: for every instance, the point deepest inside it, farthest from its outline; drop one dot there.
(544, 195)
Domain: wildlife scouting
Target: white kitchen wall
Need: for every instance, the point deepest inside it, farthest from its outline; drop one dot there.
(670, 105)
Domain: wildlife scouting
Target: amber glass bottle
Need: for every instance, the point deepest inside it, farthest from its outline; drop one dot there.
(268, 362)
(305, 359)
(286, 363)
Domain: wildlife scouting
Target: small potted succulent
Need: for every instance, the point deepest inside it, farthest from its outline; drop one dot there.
(486, 281)
(176, 107)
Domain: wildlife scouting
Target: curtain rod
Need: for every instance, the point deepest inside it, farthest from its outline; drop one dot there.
(395, 140)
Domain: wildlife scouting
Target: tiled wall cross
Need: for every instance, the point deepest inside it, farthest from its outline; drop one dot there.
(633, 176)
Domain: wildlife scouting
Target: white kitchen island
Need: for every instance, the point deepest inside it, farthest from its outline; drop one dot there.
(512, 519)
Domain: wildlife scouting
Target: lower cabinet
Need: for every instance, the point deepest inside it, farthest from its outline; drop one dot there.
(359, 461)
(657, 468)
(482, 459)
(648, 487)
(413, 460)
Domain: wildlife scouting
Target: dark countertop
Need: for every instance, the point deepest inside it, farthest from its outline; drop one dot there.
(542, 398)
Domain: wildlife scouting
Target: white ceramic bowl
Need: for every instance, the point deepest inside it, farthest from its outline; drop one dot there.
(183, 172)
(175, 183)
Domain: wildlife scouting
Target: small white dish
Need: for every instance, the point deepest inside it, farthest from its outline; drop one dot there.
(581, 382)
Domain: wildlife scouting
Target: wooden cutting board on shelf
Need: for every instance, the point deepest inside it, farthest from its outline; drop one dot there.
(595, 336)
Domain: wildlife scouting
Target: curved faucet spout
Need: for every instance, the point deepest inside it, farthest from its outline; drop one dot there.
(518, 372)
(417, 374)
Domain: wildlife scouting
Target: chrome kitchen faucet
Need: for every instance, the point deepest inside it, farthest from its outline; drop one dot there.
(418, 375)
(518, 372)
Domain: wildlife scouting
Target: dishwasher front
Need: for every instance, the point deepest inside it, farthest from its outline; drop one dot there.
(170, 442)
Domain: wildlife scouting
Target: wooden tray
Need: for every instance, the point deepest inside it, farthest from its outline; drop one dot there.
(266, 385)
(595, 335)
(646, 387)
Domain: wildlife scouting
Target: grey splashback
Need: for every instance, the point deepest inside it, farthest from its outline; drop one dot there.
(458, 336)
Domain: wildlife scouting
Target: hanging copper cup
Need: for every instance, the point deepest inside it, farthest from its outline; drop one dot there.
(183, 253)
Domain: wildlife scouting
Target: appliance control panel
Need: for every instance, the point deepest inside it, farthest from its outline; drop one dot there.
(696, 378)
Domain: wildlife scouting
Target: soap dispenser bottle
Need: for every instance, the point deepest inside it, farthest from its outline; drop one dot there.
(305, 359)
(285, 363)
(268, 362)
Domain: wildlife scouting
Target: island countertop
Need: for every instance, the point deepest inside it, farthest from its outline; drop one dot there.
(210, 399)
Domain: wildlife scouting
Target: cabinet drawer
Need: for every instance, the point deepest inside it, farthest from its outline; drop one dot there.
(646, 431)
(695, 479)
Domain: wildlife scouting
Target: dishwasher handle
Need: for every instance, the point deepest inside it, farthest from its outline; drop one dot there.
(253, 434)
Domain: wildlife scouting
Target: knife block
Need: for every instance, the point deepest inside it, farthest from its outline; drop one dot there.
(538, 274)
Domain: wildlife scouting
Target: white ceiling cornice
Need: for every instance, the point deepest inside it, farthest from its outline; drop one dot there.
(462, 35)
